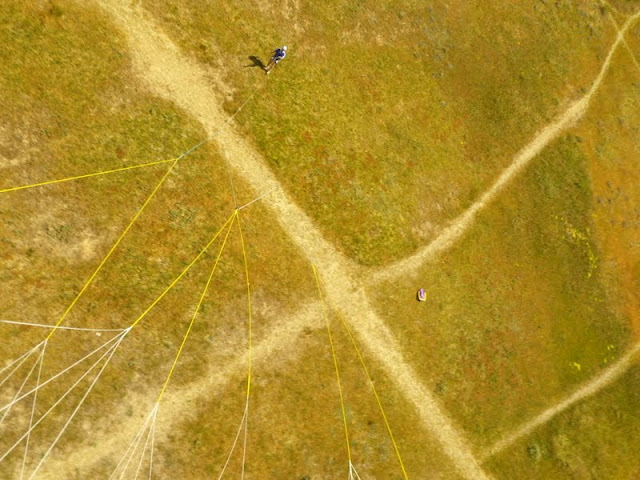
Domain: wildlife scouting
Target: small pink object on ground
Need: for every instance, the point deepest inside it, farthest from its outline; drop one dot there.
(422, 295)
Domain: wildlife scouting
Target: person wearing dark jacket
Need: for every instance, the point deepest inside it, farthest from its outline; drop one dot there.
(277, 56)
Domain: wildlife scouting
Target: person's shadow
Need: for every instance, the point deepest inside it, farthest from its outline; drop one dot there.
(256, 62)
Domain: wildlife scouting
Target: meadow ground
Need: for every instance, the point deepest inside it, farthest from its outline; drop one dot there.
(426, 105)
(596, 439)
(384, 124)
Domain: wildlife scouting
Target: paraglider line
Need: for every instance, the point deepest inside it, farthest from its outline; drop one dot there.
(24, 382)
(41, 325)
(9, 405)
(375, 393)
(131, 451)
(153, 437)
(250, 361)
(111, 352)
(335, 364)
(235, 441)
(197, 309)
(144, 449)
(20, 360)
(182, 274)
(78, 177)
(26, 354)
(256, 199)
(128, 453)
(33, 411)
(113, 248)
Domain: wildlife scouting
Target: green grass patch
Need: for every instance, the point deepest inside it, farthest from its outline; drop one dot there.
(517, 314)
(386, 120)
(597, 438)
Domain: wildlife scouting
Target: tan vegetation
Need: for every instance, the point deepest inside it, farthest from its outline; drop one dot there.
(482, 151)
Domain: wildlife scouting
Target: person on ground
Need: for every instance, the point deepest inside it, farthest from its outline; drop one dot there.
(276, 58)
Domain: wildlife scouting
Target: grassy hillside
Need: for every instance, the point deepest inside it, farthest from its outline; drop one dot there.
(386, 120)
(71, 107)
(517, 312)
(596, 439)
(384, 123)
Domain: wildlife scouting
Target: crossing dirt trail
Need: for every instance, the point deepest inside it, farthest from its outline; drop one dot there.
(607, 376)
(281, 342)
(461, 224)
(167, 73)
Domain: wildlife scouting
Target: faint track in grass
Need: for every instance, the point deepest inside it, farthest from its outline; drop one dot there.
(179, 401)
(463, 222)
(174, 77)
(629, 50)
(593, 386)
(167, 73)
(607, 376)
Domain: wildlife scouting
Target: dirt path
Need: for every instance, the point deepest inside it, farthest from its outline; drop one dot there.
(461, 224)
(167, 73)
(281, 343)
(603, 380)
(613, 372)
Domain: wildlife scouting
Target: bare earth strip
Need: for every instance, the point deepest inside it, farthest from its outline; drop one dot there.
(169, 74)
(174, 77)
(631, 54)
(179, 401)
(462, 223)
(604, 379)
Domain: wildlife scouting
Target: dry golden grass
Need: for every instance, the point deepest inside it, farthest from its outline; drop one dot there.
(596, 439)
(384, 122)
(65, 119)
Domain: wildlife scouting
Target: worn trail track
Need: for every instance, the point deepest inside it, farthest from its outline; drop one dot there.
(461, 224)
(602, 380)
(179, 402)
(614, 371)
(167, 73)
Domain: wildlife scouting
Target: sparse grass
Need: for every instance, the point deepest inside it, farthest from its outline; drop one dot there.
(75, 110)
(68, 108)
(516, 313)
(610, 134)
(598, 438)
(387, 119)
(287, 439)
